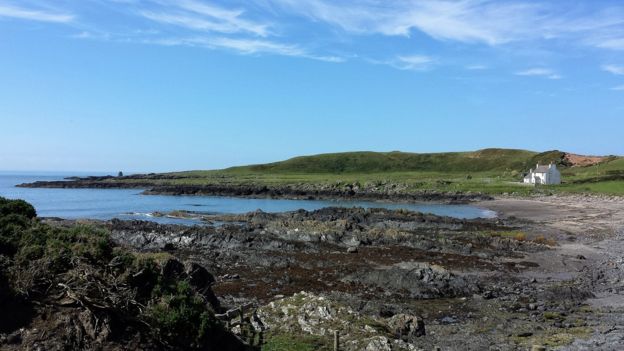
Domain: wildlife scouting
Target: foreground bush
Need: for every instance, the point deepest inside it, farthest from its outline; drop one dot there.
(113, 295)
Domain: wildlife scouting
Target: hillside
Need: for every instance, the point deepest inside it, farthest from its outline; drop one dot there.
(378, 175)
(487, 160)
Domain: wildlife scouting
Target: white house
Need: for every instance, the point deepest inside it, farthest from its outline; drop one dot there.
(543, 175)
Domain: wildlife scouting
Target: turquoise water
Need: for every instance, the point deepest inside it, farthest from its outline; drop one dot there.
(129, 204)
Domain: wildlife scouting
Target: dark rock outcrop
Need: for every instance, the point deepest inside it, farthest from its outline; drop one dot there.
(292, 191)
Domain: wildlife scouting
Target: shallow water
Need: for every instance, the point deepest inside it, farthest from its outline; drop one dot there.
(129, 204)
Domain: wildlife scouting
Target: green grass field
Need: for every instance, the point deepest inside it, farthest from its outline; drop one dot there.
(491, 171)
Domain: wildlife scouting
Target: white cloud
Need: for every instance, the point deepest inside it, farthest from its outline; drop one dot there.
(34, 15)
(189, 22)
(614, 44)
(465, 21)
(615, 69)
(523, 27)
(91, 35)
(232, 31)
(246, 46)
(618, 88)
(413, 62)
(492, 22)
(198, 16)
(476, 67)
(252, 46)
(539, 72)
(406, 62)
(231, 17)
(534, 72)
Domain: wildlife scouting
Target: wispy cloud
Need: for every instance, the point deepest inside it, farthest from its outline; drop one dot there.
(34, 15)
(217, 27)
(465, 21)
(245, 46)
(227, 29)
(614, 69)
(200, 16)
(539, 72)
(413, 62)
(618, 88)
(91, 35)
(491, 22)
(231, 17)
(350, 27)
(252, 46)
(614, 44)
(476, 67)
(406, 62)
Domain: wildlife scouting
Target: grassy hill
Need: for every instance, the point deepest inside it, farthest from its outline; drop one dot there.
(492, 171)
(487, 160)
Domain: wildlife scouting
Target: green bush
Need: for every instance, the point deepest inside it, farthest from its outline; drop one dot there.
(180, 315)
(58, 247)
(35, 256)
(19, 207)
(11, 227)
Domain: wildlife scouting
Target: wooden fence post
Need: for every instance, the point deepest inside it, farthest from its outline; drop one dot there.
(336, 340)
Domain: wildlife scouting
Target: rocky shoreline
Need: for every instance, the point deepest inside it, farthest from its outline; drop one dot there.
(546, 274)
(390, 280)
(387, 192)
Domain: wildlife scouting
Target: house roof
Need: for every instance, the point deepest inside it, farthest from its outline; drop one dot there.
(541, 169)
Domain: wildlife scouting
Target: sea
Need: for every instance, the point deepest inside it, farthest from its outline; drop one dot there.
(104, 204)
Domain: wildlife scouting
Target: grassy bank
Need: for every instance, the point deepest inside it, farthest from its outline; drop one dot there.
(491, 171)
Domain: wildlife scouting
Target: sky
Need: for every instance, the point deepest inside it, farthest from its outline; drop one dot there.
(163, 85)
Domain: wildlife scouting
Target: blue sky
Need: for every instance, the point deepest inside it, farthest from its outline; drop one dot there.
(158, 85)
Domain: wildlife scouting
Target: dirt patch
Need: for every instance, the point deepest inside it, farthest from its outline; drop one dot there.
(575, 160)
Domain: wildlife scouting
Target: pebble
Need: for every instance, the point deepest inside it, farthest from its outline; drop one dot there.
(448, 320)
(230, 277)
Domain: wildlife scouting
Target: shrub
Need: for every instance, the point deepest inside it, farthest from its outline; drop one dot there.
(58, 247)
(180, 315)
(39, 257)
(540, 239)
(18, 207)
(11, 227)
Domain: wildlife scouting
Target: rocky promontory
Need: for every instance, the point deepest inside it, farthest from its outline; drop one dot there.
(156, 185)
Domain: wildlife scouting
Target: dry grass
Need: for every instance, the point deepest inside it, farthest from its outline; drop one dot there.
(540, 239)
